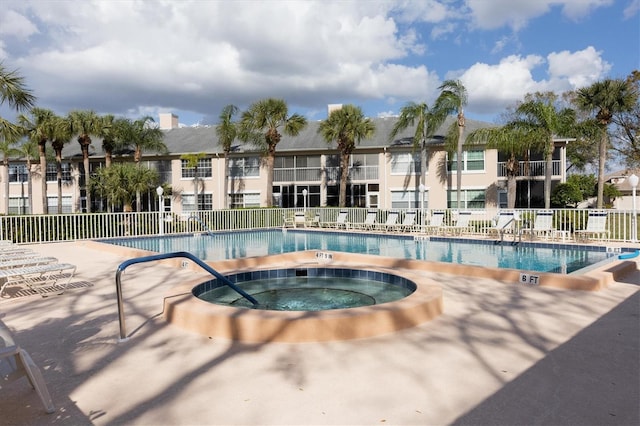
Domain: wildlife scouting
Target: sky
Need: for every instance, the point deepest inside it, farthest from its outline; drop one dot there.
(191, 58)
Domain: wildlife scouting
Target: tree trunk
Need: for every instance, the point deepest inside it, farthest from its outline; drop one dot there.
(5, 177)
(602, 160)
(271, 158)
(226, 181)
(29, 188)
(344, 174)
(512, 171)
(461, 124)
(59, 177)
(43, 171)
(548, 170)
(85, 161)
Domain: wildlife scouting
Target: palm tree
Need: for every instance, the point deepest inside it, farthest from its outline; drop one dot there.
(40, 128)
(108, 131)
(540, 119)
(7, 149)
(15, 93)
(144, 136)
(259, 125)
(29, 151)
(61, 136)
(511, 141)
(347, 126)
(85, 124)
(606, 98)
(453, 99)
(227, 131)
(120, 181)
(192, 160)
(426, 122)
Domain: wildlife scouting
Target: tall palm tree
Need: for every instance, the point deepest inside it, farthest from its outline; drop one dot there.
(7, 149)
(84, 124)
(145, 136)
(120, 181)
(259, 125)
(347, 126)
(606, 98)
(192, 160)
(13, 91)
(61, 136)
(40, 128)
(453, 99)
(541, 119)
(29, 151)
(107, 130)
(227, 131)
(514, 143)
(426, 122)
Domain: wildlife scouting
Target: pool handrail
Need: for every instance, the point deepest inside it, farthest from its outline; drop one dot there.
(161, 256)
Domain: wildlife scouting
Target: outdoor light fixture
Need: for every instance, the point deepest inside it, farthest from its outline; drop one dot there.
(160, 191)
(633, 181)
(304, 196)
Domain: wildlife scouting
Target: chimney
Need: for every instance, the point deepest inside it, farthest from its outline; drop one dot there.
(168, 121)
(333, 107)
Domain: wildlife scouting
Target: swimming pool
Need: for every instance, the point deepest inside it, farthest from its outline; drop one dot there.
(558, 258)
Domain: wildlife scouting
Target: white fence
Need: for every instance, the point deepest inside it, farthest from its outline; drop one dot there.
(70, 227)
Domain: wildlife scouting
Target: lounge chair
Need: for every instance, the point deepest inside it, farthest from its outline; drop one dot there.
(436, 222)
(15, 362)
(461, 226)
(313, 221)
(26, 261)
(542, 225)
(505, 224)
(408, 222)
(391, 222)
(596, 227)
(341, 221)
(38, 277)
(369, 222)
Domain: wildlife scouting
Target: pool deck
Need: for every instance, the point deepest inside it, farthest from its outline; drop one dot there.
(500, 353)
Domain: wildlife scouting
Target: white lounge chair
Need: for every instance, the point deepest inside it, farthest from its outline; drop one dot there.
(15, 363)
(369, 222)
(341, 221)
(391, 222)
(596, 227)
(408, 222)
(542, 225)
(313, 222)
(505, 224)
(436, 222)
(461, 226)
(38, 277)
(26, 261)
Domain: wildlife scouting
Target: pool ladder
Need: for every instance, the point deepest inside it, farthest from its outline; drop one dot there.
(201, 222)
(144, 259)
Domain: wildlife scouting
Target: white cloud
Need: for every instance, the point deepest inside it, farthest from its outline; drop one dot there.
(579, 69)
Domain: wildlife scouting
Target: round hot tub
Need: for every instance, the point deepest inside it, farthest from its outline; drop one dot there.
(307, 289)
(305, 304)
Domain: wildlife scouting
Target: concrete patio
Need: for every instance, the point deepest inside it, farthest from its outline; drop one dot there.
(500, 354)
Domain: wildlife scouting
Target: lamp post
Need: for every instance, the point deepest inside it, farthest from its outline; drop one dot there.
(421, 188)
(160, 191)
(633, 181)
(304, 197)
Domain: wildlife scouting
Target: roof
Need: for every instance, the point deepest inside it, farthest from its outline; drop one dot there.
(204, 139)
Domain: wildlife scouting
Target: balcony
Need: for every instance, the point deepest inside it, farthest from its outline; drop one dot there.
(536, 168)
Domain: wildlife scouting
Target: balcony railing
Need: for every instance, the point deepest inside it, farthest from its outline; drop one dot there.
(70, 227)
(310, 174)
(536, 168)
(355, 173)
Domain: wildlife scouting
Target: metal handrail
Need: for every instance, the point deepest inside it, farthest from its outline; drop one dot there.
(161, 256)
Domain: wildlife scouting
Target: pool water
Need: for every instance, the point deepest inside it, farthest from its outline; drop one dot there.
(559, 258)
(307, 293)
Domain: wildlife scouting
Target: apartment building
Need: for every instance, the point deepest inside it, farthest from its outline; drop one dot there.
(383, 173)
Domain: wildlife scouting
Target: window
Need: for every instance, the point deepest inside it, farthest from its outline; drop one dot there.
(297, 168)
(245, 200)
(17, 173)
(405, 163)
(205, 202)
(363, 166)
(204, 169)
(18, 205)
(52, 173)
(502, 199)
(67, 204)
(408, 199)
(244, 167)
(472, 160)
(471, 199)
